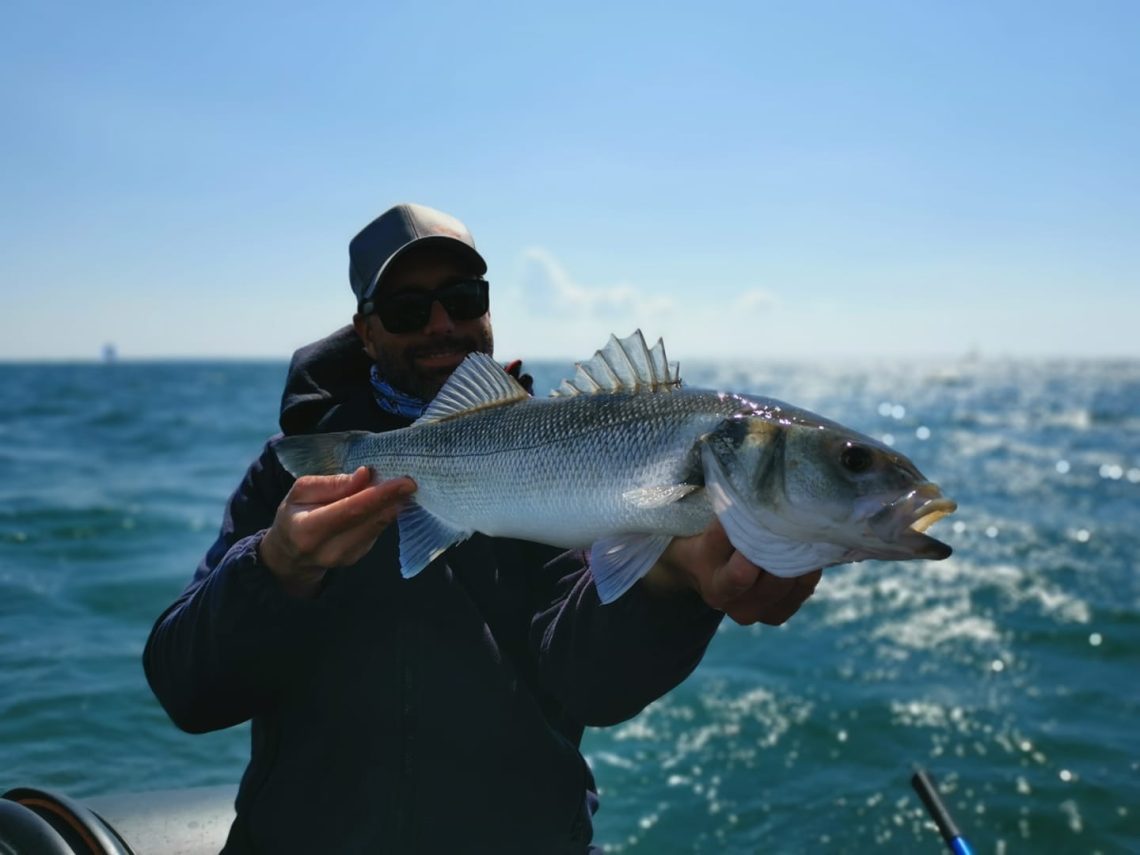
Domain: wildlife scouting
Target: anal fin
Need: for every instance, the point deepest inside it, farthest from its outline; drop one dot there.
(618, 562)
(423, 538)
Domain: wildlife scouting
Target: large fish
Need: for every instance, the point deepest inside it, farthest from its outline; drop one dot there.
(622, 459)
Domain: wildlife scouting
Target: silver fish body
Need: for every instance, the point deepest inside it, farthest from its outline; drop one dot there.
(625, 469)
(556, 470)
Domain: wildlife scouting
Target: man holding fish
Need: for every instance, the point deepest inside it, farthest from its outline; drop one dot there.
(423, 687)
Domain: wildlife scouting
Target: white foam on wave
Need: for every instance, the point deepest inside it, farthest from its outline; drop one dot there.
(938, 604)
(922, 713)
(937, 625)
(1024, 587)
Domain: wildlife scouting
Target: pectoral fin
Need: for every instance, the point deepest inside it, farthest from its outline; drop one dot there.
(778, 554)
(618, 562)
(423, 538)
(648, 498)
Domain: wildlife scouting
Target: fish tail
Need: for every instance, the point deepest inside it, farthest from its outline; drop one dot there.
(316, 454)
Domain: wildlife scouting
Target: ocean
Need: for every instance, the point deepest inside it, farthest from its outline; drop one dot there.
(1010, 671)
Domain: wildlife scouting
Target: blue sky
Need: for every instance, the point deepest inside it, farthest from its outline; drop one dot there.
(757, 179)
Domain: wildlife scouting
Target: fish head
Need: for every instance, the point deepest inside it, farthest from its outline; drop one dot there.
(859, 493)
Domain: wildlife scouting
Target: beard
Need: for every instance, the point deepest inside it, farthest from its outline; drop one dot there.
(399, 365)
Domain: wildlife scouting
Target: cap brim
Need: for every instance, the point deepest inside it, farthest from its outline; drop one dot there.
(443, 240)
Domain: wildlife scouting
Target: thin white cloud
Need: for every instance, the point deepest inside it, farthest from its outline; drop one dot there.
(757, 300)
(543, 274)
(547, 311)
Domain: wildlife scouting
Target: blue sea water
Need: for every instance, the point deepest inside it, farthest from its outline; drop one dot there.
(1010, 671)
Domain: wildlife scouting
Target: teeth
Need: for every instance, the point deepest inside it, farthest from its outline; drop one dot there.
(923, 523)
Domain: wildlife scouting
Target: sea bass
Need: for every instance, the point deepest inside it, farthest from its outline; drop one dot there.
(622, 458)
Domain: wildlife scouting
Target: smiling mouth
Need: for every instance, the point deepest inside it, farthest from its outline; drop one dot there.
(442, 354)
(441, 358)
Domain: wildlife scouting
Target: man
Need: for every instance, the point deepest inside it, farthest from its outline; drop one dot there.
(441, 713)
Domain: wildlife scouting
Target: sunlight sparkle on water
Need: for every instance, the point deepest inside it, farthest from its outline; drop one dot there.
(1095, 639)
(1063, 466)
(1083, 535)
(923, 432)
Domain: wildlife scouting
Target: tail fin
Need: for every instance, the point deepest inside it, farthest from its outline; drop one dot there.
(317, 453)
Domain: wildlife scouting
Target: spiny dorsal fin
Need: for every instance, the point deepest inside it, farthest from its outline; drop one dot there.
(479, 382)
(623, 365)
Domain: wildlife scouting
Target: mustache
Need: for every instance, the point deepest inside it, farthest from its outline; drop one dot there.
(450, 342)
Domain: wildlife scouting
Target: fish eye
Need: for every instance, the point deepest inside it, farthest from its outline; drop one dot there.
(856, 458)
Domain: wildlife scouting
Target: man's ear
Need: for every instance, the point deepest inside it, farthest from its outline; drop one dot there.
(364, 333)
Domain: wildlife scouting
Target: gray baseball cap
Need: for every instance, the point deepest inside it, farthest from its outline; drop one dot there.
(395, 232)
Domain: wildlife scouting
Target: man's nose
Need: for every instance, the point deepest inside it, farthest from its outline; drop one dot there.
(439, 321)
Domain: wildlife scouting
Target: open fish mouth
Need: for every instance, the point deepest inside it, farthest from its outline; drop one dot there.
(932, 514)
(905, 521)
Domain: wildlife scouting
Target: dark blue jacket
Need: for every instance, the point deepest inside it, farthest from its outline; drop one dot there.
(437, 714)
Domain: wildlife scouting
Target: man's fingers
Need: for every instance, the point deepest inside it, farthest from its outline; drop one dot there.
(773, 599)
(348, 546)
(765, 602)
(377, 505)
(715, 545)
(348, 528)
(323, 489)
(809, 581)
(732, 579)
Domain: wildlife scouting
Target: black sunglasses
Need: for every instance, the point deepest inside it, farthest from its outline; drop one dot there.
(408, 311)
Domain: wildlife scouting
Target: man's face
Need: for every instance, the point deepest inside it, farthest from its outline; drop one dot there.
(419, 362)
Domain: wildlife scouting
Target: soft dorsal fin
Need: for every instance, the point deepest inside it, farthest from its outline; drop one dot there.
(479, 382)
(623, 365)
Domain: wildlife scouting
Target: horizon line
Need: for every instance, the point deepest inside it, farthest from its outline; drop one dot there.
(965, 357)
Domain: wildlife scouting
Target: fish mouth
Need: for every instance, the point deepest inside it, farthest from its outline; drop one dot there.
(903, 522)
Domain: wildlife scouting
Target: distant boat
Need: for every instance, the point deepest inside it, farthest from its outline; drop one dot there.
(110, 354)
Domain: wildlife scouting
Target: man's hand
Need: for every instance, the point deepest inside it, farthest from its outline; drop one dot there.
(328, 521)
(727, 581)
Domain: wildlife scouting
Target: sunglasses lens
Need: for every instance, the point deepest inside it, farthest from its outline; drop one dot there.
(405, 312)
(409, 311)
(465, 300)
